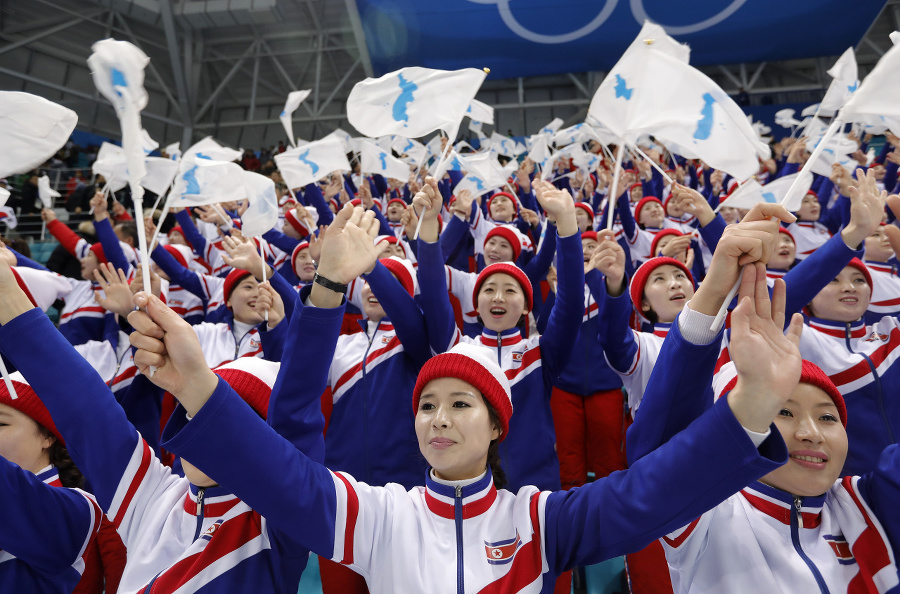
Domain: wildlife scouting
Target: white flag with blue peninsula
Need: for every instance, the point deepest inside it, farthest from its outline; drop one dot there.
(311, 162)
(32, 129)
(294, 100)
(210, 149)
(844, 83)
(375, 160)
(112, 165)
(262, 213)
(413, 102)
(205, 181)
(414, 150)
(877, 95)
(480, 112)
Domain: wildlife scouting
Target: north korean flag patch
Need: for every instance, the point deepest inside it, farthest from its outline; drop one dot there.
(502, 551)
(841, 549)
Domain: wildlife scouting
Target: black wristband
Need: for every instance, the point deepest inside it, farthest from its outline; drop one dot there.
(330, 284)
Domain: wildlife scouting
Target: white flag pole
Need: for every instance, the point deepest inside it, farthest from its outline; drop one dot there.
(795, 186)
(654, 164)
(263, 258)
(7, 381)
(159, 225)
(160, 199)
(613, 195)
(444, 155)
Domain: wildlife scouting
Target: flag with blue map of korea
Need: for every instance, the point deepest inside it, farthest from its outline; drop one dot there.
(312, 161)
(374, 159)
(203, 181)
(413, 102)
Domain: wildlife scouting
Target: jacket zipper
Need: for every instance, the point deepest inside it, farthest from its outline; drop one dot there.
(796, 525)
(366, 400)
(877, 381)
(458, 518)
(200, 493)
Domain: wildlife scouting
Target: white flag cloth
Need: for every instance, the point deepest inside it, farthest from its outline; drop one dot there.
(4, 196)
(262, 213)
(294, 99)
(174, 151)
(147, 143)
(474, 184)
(111, 164)
(310, 163)
(539, 153)
(413, 102)
(895, 37)
(433, 147)
(578, 133)
(374, 160)
(653, 89)
(32, 129)
(785, 118)
(551, 128)
(413, 149)
(480, 112)
(8, 217)
(118, 71)
(160, 174)
(503, 145)
(341, 136)
(210, 149)
(45, 192)
(475, 127)
(751, 193)
(844, 75)
(837, 150)
(385, 142)
(204, 181)
(877, 94)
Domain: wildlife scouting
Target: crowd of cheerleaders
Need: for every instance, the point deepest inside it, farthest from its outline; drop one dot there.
(517, 301)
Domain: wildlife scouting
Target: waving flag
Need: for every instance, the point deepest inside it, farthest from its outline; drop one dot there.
(160, 174)
(551, 128)
(414, 150)
(785, 118)
(294, 100)
(45, 192)
(475, 127)
(262, 214)
(503, 145)
(579, 133)
(32, 129)
(174, 151)
(341, 136)
(844, 83)
(147, 143)
(204, 181)
(112, 165)
(480, 112)
(8, 217)
(877, 94)
(311, 162)
(837, 150)
(413, 102)
(210, 149)
(751, 193)
(373, 159)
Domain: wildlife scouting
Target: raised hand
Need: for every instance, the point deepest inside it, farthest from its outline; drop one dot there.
(409, 220)
(98, 204)
(693, 202)
(427, 202)
(241, 253)
(609, 258)
(767, 360)
(349, 248)
(866, 209)
(270, 301)
(117, 297)
(137, 283)
(48, 215)
(559, 206)
(166, 342)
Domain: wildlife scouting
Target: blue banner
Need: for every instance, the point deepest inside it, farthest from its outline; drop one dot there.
(539, 37)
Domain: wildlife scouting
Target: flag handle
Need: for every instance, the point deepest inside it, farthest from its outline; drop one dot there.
(613, 196)
(722, 203)
(654, 165)
(419, 224)
(160, 198)
(159, 225)
(794, 187)
(43, 230)
(263, 258)
(7, 381)
(137, 198)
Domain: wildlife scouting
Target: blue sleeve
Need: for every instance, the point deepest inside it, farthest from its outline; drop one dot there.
(565, 318)
(142, 403)
(440, 322)
(379, 185)
(178, 274)
(384, 228)
(693, 180)
(43, 526)
(528, 200)
(679, 390)
(806, 279)
(537, 267)
(666, 490)
(348, 185)
(890, 174)
(788, 169)
(27, 262)
(455, 231)
(191, 233)
(881, 491)
(403, 311)
(111, 248)
(286, 292)
(281, 241)
(712, 232)
(626, 217)
(615, 336)
(102, 456)
(315, 198)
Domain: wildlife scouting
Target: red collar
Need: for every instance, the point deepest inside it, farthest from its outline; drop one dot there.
(477, 498)
(779, 505)
(214, 505)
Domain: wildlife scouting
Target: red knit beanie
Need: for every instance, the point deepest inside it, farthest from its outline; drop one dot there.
(97, 249)
(857, 263)
(586, 208)
(788, 233)
(512, 270)
(636, 288)
(812, 374)
(472, 364)
(644, 202)
(177, 254)
(403, 270)
(28, 403)
(391, 239)
(178, 229)
(290, 217)
(659, 236)
(232, 280)
(252, 378)
(509, 235)
(508, 195)
(592, 235)
(300, 247)
(399, 201)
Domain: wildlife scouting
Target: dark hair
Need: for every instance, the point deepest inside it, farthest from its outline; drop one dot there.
(69, 475)
(493, 458)
(129, 229)
(651, 316)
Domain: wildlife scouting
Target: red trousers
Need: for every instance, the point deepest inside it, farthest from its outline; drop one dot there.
(648, 572)
(337, 579)
(590, 434)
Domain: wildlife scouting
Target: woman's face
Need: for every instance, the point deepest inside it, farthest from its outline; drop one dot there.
(89, 264)
(816, 440)
(177, 238)
(844, 299)
(583, 219)
(588, 247)
(785, 253)
(730, 215)
(22, 442)
(652, 215)
(497, 249)
(393, 249)
(878, 248)
(667, 290)
(501, 302)
(371, 305)
(502, 208)
(195, 475)
(242, 301)
(305, 267)
(810, 209)
(394, 212)
(454, 429)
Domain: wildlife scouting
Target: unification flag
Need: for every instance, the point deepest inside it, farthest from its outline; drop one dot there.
(262, 213)
(112, 165)
(32, 129)
(877, 94)
(375, 160)
(160, 174)
(413, 101)
(503, 145)
(844, 83)
(414, 150)
(45, 192)
(785, 118)
(480, 112)
(311, 162)
(751, 193)
(212, 150)
(294, 100)
(203, 181)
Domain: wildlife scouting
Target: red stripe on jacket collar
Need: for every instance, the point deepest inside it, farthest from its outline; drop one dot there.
(838, 329)
(774, 507)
